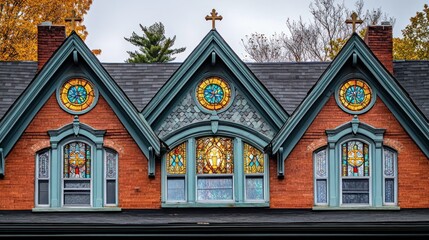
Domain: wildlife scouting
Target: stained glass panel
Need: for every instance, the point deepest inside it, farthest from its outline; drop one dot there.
(77, 160)
(214, 155)
(321, 164)
(355, 159)
(389, 191)
(213, 93)
(214, 188)
(355, 94)
(44, 165)
(389, 166)
(77, 94)
(253, 159)
(176, 189)
(254, 188)
(176, 160)
(110, 164)
(322, 189)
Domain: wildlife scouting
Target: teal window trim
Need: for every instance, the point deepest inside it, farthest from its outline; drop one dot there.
(73, 132)
(394, 177)
(105, 178)
(356, 130)
(321, 178)
(38, 179)
(238, 177)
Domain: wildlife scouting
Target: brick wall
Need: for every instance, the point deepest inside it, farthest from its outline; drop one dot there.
(50, 37)
(296, 189)
(136, 190)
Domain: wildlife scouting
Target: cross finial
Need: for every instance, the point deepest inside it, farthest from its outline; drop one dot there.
(213, 17)
(73, 19)
(354, 21)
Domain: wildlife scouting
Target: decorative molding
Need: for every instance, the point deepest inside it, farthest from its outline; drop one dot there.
(214, 119)
(151, 163)
(280, 164)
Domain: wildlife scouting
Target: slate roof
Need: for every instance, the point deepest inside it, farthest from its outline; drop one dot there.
(288, 82)
(211, 223)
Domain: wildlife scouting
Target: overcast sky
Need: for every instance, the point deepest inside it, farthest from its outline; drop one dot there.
(109, 21)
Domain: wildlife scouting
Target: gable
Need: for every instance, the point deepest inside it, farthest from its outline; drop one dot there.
(354, 61)
(73, 59)
(250, 100)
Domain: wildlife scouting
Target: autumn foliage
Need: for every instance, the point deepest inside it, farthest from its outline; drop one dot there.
(19, 20)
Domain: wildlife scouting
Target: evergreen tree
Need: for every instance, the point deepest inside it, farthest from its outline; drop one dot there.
(153, 46)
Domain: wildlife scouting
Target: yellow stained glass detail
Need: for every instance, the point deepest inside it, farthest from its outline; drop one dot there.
(176, 160)
(253, 159)
(213, 93)
(214, 155)
(77, 94)
(355, 95)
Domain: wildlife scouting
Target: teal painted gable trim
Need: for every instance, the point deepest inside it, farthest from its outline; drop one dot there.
(390, 92)
(213, 43)
(42, 86)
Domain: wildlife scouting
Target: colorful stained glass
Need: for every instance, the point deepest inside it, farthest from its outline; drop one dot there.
(77, 94)
(355, 95)
(77, 160)
(355, 159)
(214, 155)
(253, 159)
(213, 93)
(176, 160)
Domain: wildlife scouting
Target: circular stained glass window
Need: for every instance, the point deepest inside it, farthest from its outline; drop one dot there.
(77, 95)
(213, 93)
(355, 95)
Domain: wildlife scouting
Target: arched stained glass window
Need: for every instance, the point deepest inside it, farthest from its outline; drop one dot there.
(355, 159)
(176, 160)
(77, 160)
(77, 174)
(214, 155)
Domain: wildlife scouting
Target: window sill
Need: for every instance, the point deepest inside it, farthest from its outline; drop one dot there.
(77, 209)
(214, 205)
(323, 208)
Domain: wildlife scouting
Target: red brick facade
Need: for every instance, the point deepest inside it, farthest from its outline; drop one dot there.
(136, 189)
(379, 39)
(296, 189)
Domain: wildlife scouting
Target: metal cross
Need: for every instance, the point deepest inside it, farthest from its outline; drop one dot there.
(73, 19)
(213, 17)
(354, 21)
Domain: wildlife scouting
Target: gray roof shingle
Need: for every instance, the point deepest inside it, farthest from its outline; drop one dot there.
(288, 82)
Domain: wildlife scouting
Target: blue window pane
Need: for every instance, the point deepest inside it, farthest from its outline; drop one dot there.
(214, 188)
(355, 191)
(175, 189)
(322, 189)
(389, 190)
(254, 188)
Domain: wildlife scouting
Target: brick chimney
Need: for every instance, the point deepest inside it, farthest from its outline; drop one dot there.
(49, 38)
(379, 40)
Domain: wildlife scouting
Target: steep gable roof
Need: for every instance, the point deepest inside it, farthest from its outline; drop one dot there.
(211, 47)
(396, 99)
(72, 51)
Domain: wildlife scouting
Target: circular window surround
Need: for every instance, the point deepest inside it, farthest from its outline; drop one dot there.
(221, 109)
(93, 99)
(358, 78)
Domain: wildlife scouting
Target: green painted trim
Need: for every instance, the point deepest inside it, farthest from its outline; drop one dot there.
(213, 42)
(43, 84)
(396, 100)
(1, 163)
(360, 208)
(239, 179)
(77, 209)
(215, 205)
(225, 128)
(191, 174)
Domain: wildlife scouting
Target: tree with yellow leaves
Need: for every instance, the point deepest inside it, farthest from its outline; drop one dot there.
(19, 20)
(415, 42)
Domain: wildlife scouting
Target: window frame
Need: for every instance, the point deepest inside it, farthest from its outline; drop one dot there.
(395, 177)
(238, 176)
(105, 179)
(36, 182)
